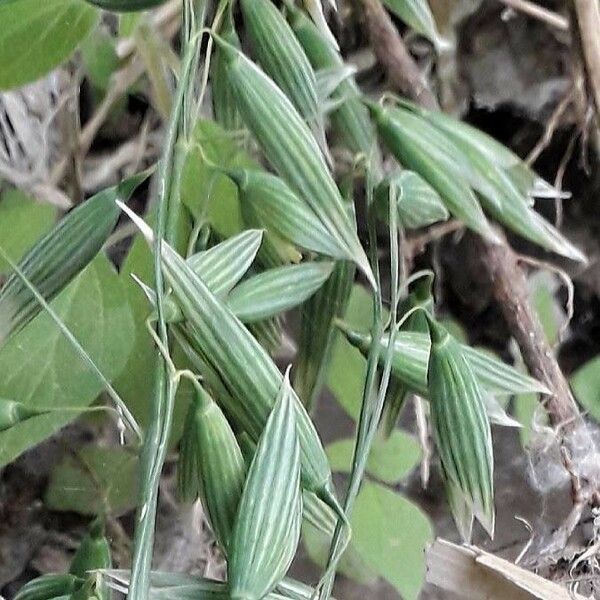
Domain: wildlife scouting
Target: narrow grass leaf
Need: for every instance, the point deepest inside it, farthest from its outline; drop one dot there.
(277, 290)
(291, 149)
(267, 525)
(284, 213)
(420, 147)
(54, 261)
(461, 427)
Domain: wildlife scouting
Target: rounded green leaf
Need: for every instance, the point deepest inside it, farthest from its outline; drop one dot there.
(36, 37)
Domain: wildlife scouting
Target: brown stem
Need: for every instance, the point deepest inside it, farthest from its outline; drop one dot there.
(510, 290)
(588, 20)
(391, 52)
(498, 261)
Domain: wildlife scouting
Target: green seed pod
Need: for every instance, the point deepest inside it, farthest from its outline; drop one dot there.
(314, 510)
(291, 149)
(267, 525)
(420, 147)
(49, 586)
(275, 291)
(125, 5)
(60, 255)
(12, 412)
(219, 462)
(282, 57)
(317, 333)
(282, 212)
(93, 552)
(461, 427)
(418, 203)
(411, 356)
(350, 120)
(224, 107)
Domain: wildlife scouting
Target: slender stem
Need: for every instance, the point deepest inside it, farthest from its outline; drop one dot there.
(156, 443)
(538, 12)
(85, 357)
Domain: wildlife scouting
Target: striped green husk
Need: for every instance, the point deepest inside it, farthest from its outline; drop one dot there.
(435, 161)
(269, 333)
(418, 203)
(282, 212)
(411, 355)
(219, 462)
(49, 586)
(223, 265)
(223, 101)
(276, 290)
(460, 426)
(350, 120)
(282, 57)
(243, 365)
(274, 250)
(267, 525)
(292, 150)
(317, 333)
(54, 261)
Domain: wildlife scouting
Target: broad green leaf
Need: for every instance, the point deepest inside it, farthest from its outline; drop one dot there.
(267, 525)
(36, 37)
(390, 533)
(22, 222)
(417, 14)
(94, 481)
(586, 386)
(351, 564)
(50, 374)
(348, 367)
(276, 290)
(208, 193)
(390, 460)
(99, 57)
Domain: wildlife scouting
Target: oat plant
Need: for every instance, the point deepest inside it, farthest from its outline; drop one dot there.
(249, 219)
